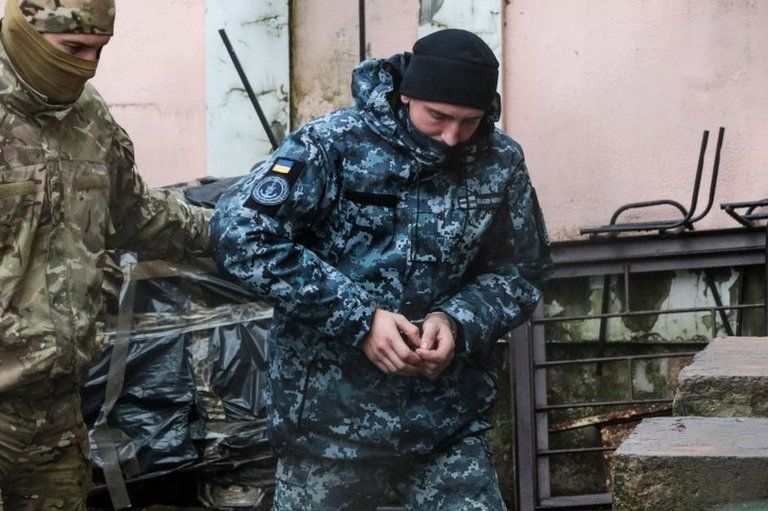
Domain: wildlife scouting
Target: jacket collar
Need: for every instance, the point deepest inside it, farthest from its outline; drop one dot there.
(20, 96)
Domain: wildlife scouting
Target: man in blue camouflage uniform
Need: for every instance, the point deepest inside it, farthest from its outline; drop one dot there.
(410, 206)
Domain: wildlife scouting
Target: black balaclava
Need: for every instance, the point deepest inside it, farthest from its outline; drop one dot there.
(452, 66)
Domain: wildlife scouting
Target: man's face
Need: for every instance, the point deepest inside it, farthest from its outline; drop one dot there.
(82, 46)
(449, 124)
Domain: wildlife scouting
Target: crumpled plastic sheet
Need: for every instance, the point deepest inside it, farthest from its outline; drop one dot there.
(197, 357)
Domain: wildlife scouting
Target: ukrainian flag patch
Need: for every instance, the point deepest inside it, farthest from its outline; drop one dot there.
(283, 166)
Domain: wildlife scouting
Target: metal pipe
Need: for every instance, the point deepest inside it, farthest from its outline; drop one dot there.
(556, 452)
(603, 335)
(718, 301)
(602, 403)
(765, 281)
(554, 363)
(742, 293)
(626, 289)
(585, 317)
(249, 89)
(361, 24)
(715, 171)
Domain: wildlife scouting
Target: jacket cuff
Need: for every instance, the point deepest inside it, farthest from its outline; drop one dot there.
(459, 335)
(358, 323)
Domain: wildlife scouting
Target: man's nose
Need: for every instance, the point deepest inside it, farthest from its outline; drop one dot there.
(450, 136)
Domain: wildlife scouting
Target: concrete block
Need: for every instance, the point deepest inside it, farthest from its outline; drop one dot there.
(692, 464)
(729, 378)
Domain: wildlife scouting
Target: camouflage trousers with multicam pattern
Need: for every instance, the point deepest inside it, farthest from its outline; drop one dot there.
(459, 479)
(43, 453)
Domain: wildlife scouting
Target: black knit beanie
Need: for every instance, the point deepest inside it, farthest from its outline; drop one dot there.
(452, 66)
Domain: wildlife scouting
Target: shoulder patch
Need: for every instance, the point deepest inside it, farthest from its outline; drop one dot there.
(274, 187)
(271, 191)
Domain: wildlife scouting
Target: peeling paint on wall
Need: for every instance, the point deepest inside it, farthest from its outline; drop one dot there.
(663, 290)
(259, 32)
(428, 9)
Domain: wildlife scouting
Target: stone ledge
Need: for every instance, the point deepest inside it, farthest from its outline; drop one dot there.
(691, 464)
(729, 378)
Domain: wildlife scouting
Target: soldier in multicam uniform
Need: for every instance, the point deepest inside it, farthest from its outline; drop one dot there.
(68, 191)
(409, 206)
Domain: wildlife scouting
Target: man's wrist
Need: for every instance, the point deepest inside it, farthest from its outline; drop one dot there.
(456, 330)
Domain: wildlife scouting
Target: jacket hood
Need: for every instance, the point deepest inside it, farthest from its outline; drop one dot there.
(375, 86)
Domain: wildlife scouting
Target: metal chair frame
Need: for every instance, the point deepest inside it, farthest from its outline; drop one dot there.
(689, 215)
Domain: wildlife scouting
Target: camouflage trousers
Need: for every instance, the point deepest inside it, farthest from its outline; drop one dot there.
(461, 478)
(43, 454)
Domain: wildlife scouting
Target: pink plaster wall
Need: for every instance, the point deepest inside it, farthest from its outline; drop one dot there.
(609, 100)
(326, 48)
(152, 74)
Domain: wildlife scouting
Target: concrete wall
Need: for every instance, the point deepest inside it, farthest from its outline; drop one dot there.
(609, 100)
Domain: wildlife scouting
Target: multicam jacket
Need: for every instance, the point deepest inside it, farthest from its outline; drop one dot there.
(351, 214)
(68, 191)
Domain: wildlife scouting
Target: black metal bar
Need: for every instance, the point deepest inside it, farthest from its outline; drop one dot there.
(603, 334)
(756, 216)
(738, 218)
(626, 289)
(659, 265)
(718, 301)
(664, 225)
(745, 204)
(742, 293)
(539, 351)
(249, 89)
(575, 361)
(525, 440)
(598, 404)
(715, 171)
(572, 502)
(696, 183)
(765, 280)
(558, 452)
(646, 204)
(586, 317)
(746, 219)
(361, 23)
(511, 339)
(682, 247)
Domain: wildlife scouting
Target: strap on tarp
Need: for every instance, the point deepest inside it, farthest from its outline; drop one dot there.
(113, 444)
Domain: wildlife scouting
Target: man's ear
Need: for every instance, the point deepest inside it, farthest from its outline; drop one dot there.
(405, 99)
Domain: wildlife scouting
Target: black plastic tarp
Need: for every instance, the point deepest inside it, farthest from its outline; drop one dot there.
(197, 359)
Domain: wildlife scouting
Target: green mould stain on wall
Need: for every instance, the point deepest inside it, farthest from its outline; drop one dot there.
(648, 292)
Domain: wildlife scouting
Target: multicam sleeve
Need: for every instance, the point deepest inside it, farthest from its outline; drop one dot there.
(257, 232)
(155, 223)
(503, 286)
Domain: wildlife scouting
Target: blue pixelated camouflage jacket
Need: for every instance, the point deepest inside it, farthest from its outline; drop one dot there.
(352, 213)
